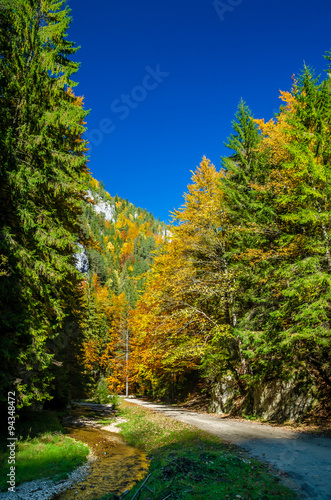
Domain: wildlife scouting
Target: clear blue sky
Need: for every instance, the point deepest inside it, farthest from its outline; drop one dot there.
(163, 80)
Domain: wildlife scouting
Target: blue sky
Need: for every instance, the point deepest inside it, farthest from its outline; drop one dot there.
(163, 81)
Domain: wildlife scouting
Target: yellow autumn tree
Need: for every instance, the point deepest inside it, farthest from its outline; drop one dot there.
(185, 308)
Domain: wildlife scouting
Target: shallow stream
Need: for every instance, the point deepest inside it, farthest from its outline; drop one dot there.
(117, 466)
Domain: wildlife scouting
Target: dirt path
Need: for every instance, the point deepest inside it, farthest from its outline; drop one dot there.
(303, 460)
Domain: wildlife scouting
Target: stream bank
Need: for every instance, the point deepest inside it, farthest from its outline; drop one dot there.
(112, 466)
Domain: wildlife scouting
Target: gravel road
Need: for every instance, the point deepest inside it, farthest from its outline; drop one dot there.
(302, 460)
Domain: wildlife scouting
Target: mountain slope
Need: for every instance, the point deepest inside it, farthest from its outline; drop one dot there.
(115, 267)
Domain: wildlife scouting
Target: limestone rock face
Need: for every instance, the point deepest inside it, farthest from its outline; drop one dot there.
(224, 395)
(281, 400)
(81, 260)
(273, 400)
(100, 207)
(103, 207)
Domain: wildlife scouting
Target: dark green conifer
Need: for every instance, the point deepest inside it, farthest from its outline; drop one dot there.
(299, 328)
(42, 172)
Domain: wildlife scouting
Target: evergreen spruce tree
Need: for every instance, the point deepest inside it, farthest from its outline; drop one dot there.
(242, 166)
(246, 219)
(299, 328)
(42, 172)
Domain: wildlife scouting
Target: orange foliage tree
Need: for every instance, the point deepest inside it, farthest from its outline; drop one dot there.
(184, 311)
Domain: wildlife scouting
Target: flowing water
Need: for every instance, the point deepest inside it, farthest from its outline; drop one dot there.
(117, 466)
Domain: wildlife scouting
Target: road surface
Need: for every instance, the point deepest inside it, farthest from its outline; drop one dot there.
(302, 460)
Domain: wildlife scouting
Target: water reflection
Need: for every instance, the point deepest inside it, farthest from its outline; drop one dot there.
(117, 466)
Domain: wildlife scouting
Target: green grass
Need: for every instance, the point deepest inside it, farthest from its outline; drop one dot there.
(252, 417)
(187, 463)
(104, 421)
(42, 450)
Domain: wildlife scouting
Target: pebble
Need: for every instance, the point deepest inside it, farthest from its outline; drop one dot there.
(46, 489)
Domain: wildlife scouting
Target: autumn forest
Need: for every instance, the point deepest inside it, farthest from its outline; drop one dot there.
(230, 302)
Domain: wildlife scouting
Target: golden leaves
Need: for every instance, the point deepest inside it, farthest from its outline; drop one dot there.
(276, 133)
(172, 322)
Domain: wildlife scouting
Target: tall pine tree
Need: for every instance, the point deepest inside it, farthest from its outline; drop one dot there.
(299, 328)
(42, 172)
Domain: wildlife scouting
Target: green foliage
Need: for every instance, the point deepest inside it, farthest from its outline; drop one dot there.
(257, 267)
(101, 394)
(125, 238)
(243, 286)
(115, 401)
(283, 259)
(42, 185)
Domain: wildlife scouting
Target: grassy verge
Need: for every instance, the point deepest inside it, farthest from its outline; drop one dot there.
(187, 463)
(42, 451)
